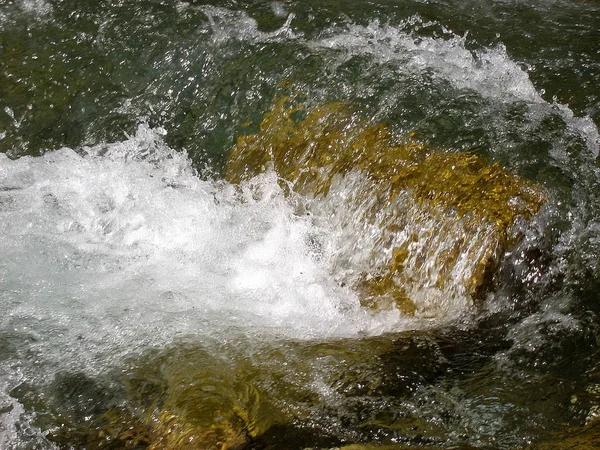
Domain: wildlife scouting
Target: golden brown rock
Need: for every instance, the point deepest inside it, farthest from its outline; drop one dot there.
(440, 220)
(205, 404)
(186, 399)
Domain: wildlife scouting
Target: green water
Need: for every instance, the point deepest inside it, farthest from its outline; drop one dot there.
(83, 361)
(69, 69)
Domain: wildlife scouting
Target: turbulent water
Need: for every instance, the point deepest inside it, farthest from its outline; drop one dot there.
(125, 254)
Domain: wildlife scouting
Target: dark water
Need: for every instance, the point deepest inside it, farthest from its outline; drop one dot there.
(129, 267)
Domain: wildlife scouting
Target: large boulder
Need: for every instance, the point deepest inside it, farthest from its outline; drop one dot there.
(438, 221)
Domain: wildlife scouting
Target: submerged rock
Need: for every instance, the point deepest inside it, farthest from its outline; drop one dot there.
(290, 394)
(197, 400)
(433, 224)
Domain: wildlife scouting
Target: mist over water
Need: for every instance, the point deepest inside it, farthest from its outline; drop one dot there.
(119, 238)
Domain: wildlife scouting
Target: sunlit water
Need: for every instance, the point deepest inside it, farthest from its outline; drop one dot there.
(118, 236)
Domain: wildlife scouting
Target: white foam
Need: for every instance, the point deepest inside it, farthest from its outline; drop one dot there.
(360, 245)
(38, 6)
(38, 9)
(228, 25)
(488, 71)
(16, 429)
(121, 246)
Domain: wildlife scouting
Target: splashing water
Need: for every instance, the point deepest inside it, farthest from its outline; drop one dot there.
(127, 271)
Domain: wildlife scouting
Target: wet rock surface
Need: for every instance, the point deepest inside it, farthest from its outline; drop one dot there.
(440, 221)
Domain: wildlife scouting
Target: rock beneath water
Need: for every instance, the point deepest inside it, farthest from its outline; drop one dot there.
(198, 400)
(428, 225)
(290, 394)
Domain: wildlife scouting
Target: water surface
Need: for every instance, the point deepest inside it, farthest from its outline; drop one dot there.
(127, 260)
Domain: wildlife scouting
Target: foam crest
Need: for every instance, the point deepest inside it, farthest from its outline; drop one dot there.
(228, 25)
(488, 71)
(40, 10)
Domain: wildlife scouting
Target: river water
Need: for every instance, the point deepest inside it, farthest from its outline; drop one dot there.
(134, 279)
